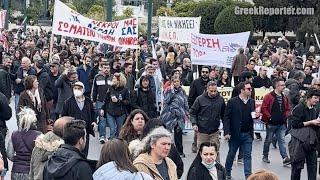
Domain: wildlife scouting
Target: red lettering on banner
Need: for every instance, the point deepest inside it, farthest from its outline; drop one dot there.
(130, 22)
(216, 43)
(198, 53)
(205, 42)
(106, 24)
(60, 24)
(128, 40)
(169, 35)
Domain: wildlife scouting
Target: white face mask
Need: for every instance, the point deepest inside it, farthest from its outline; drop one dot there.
(77, 93)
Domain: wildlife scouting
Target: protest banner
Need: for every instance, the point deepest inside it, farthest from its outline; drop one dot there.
(178, 29)
(3, 14)
(67, 22)
(219, 49)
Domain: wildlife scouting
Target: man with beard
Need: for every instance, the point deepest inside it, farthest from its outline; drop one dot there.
(197, 88)
(129, 77)
(83, 75)
(45, 55)
(6, 77)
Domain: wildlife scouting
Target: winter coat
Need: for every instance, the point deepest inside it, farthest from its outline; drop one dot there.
(144, 100)
(45, 145)
(238, 65)
(197, 88)
(20, 148)
(206, 112)
(144, 164)
(42, 116)
(65, 91)
(45, 84)
(200, 172)
(130, 82)
(100, 86)
(5, 82)
(5, 110)
(187, 77)
(111, 172)
(84, 77)
(294, 92)
(87, 114)
(175, 108)
(272, 115)
(259, 82)
(20, 87)
(116, 108)
(67, 163)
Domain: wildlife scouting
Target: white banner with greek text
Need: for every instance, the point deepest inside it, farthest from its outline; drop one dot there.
(216, 49)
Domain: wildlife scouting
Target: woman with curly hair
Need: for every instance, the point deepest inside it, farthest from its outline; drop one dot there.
(133, 127)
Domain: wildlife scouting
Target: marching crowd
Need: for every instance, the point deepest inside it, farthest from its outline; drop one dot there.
(61, 97)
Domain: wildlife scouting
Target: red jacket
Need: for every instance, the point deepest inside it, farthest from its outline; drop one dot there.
(267, 104)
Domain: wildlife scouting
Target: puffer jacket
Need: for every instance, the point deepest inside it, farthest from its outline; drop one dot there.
(116, 108)
(45, 145)
(111, 172)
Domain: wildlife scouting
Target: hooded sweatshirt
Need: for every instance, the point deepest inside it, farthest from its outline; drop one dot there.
(67, 163)
(111, 172)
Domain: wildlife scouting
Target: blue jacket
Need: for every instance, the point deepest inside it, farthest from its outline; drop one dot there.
(233, 115)
(84, 77)
(110, 171)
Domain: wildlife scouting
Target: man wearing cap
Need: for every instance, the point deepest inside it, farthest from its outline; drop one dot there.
(81, 107)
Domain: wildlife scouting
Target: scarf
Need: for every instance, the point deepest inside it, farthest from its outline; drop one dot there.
(212, 170)
(35, 98)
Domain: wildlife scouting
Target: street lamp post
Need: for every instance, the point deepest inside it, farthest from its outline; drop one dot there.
(25, 16)
(109, 10)
(149, 20)
(6, 7)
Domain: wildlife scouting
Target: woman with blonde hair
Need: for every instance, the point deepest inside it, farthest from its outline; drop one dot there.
(263, 175)
(21, 144)
(116, 104)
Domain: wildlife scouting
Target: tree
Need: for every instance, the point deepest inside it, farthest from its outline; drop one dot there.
(208, 10)
(228, 22)
(34, 11)
(96, 12)
(157, 4)
(184, 9)
(127, 13)
(164, 11)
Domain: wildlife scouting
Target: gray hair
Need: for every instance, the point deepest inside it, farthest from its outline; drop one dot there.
(27, 117)
(299, 75)
(155, 135)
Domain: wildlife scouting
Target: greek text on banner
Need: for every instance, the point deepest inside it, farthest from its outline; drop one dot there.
(67, 22)
(178, 29)
(216, 49)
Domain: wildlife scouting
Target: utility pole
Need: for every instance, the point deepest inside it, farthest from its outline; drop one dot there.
(109, 10)
(150, 6)
(6, 7)
(25, 16)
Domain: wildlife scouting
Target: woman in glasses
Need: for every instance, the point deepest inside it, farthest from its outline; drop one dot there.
(114, 163)
(115, 104)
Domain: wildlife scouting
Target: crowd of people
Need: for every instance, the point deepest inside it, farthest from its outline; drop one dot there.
(63, 93)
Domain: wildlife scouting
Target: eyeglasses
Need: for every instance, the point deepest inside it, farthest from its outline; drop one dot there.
(249, 89)
(205, 72)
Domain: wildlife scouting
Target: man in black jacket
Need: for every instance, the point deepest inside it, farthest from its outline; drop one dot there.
(6, 77)
(81, 107)
(68, 163)
(5, 114)
(197, 88)
(262, 80)
(238, 127)
(100, 86)
(206, 113)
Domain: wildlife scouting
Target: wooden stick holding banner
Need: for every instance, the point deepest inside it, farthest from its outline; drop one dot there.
(137, 61)
(51, 47)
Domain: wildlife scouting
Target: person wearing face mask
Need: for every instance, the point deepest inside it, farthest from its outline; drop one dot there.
(205, 115)
(175, 111)
(81, 107)
(64, 84)
(205, 166)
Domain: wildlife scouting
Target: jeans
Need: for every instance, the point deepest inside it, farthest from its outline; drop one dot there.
(85, 151)
(16, 101)
(244, 141)
(279, 131)
(115, 124)
(3, 133)
(101, 120)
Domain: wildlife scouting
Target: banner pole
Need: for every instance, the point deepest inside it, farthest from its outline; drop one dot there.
(51, 47)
